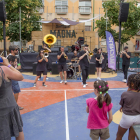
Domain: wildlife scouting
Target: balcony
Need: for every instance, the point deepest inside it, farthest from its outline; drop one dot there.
(61, 9)
(40, 10)
(85, 10)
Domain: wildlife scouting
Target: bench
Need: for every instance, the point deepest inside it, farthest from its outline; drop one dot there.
(137, 131)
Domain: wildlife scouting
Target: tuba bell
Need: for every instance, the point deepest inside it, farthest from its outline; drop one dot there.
(49, 39)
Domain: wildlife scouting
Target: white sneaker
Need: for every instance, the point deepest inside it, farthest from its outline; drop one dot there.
(99, 78)
(61, 82)
(39, 79)
(34, 85)
(84, 86)
(124, 80)
(47, 78)
(65, 82)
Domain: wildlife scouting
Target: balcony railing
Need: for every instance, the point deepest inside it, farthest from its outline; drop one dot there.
(61, 9)
(40, 10)
(85, 10)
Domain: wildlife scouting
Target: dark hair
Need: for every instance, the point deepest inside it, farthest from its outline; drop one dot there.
(39, 53)
(98, 50)
(102, 86)
(12, 48)
(11, 58)
(135, 79)
(125, 47)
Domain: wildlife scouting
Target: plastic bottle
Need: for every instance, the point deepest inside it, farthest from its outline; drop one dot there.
(1, 60)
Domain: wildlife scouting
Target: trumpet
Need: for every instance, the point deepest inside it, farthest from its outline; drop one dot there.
(90, 53)
(65, 56)
(46, 53)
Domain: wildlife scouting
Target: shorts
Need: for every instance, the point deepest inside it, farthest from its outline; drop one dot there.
(127, 121)
(62, 67)
(40, 72)
(102, 133)
(15, 86)
(98, 65)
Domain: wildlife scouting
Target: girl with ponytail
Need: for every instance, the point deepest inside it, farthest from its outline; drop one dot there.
(130, 107)
(98, 108)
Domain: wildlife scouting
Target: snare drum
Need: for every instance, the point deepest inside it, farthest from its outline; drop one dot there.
(70, 73)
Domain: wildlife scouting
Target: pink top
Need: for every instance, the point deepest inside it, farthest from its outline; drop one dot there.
(97, 118)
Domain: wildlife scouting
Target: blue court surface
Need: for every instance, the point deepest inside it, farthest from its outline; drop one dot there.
(65, 119)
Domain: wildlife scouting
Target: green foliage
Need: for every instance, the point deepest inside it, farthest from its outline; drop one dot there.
(129, 28)
(29, 18)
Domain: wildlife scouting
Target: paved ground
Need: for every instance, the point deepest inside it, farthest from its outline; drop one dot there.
(58, 111)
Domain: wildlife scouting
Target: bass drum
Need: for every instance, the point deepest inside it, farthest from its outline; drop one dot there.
(70, 73)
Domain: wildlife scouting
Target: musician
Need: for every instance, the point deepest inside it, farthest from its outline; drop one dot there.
(41, 67)
(84, 63)
(99, 56)
(62, 57)
(125, 55)
(75, 59)
(45, 47)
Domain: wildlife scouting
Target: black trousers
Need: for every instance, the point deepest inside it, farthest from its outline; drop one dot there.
(85, 73)
(125, 70)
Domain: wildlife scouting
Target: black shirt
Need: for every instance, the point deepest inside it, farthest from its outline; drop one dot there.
(98, 57)
(73, 58)
(41, 66)
(62, 60)
(126, 61)
(83, 62)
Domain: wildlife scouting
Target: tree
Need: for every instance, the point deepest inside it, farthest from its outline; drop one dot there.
(29, 18)
(129, 28)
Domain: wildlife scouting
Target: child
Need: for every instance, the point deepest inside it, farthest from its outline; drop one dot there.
(15, 85)
(130, 106)
(97, 108)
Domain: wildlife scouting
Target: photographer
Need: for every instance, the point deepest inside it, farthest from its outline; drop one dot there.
(41, 67)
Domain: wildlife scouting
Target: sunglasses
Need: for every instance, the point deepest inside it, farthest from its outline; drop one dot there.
(16, 49)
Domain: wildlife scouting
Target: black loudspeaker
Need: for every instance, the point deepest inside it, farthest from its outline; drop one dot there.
(92, 68)
(39, 47)
(124, 10)
(55, 68)
(2, 12)
(81, 40)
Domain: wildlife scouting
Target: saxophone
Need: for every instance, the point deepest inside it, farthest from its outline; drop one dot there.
(101, 59)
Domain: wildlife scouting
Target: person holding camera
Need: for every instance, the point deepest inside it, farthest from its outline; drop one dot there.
(125, 55)
(41, 68)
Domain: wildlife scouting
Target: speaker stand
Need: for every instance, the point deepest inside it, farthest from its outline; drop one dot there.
(119, 44)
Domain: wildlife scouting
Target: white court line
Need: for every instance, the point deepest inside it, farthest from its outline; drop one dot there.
(71, 89)
(66, 118)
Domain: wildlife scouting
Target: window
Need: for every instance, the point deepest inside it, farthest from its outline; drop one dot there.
(84, 7)
(137, 46)
(61, 6)
(138, 5)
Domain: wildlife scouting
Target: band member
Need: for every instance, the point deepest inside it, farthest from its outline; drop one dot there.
(49, 51)
(41, 67)
(62, 57)
(125, 55)
(84, 63)
(75, 59)
(98, 57)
